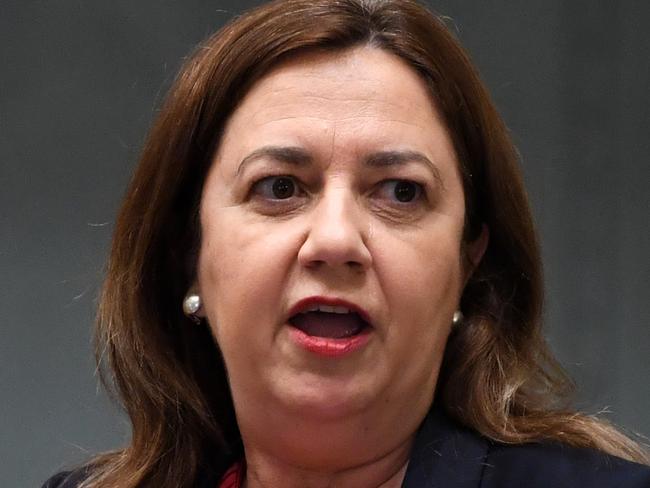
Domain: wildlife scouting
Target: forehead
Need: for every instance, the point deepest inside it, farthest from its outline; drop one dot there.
(346, 81)
(349, 99)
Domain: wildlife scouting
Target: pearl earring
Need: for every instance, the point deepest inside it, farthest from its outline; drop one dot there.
(191, 305)
(458, 318)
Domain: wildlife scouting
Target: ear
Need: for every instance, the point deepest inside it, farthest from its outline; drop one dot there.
(475, 250)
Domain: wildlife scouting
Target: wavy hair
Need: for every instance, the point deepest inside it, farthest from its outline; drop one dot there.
(497, 376)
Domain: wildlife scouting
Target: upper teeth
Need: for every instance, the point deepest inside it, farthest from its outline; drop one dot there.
(327, 308)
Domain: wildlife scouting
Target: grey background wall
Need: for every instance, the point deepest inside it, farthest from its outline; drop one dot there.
(80, 82)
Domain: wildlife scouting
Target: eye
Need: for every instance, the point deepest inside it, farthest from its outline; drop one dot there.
(276, 187)
(402, 191)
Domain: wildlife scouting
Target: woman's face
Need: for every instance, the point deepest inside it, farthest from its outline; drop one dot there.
(330, 263)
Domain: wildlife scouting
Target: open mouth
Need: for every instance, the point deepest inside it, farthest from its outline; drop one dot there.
(333, 322)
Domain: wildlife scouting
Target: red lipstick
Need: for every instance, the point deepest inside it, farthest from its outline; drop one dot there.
(330, 347)
(307, 339)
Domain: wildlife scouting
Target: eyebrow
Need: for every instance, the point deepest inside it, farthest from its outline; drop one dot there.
(396, 158)
(291, 155)
(300, 157)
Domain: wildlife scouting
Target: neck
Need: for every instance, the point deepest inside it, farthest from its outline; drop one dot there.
(264, 470)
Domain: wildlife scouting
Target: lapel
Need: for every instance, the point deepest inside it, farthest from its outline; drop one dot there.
(445, 454)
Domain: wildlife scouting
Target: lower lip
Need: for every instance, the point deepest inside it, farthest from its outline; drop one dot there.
(328, 346)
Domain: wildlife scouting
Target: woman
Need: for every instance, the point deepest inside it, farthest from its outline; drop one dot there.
(325, 273)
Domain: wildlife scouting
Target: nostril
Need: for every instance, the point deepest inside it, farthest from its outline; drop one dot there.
(337, 245)
(316, 263)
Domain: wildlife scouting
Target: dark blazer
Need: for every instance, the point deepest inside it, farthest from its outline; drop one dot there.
(447, 455)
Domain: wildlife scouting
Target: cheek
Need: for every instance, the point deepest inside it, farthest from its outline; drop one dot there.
(422, 282)
(242, 269)
(422, 289)
(426, 262)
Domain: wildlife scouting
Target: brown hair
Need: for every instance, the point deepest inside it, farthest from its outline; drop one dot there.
(497, 375)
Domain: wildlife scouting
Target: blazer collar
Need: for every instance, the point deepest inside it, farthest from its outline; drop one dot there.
(445, 455)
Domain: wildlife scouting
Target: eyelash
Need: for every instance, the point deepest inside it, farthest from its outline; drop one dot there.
(258, 189)
(419, 191)
(255, 188)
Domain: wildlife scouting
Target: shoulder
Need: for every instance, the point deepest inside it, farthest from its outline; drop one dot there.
(67, 479)
(447, 454)
(551, 464)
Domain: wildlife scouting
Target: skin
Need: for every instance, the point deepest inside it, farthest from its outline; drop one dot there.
(308, 420)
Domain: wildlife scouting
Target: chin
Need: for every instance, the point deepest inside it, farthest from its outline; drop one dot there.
(327, 399)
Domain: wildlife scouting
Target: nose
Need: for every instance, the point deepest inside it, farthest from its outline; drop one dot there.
(337, 234)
